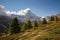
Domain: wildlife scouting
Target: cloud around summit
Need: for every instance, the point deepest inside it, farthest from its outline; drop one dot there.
(19, 12)
(2, 10)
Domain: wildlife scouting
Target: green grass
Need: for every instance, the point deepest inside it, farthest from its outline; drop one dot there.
(51, 32)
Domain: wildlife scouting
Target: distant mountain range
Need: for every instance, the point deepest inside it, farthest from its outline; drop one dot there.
(28, 16)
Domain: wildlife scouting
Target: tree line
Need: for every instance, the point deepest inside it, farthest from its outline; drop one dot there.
(16, 28)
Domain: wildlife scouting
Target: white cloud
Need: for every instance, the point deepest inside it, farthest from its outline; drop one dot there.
(1, 6)
(10, 12)
(2, 10)
(20, 12)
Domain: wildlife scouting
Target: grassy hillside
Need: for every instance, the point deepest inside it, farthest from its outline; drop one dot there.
(50, 31)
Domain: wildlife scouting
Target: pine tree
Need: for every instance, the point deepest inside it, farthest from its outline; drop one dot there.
(14, 26)
(29, 25)
(44, 21)
(52, 18)
(24, 27)
(35, 24)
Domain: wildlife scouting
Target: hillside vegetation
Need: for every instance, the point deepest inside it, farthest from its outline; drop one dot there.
(43, 31)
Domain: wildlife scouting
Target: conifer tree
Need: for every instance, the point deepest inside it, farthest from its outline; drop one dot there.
(52, 18)
(44, 21)
(35, 24)
(14, 26)
(29, 25)
(24, 27)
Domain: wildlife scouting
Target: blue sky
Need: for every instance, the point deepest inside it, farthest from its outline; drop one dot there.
(39, 7)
